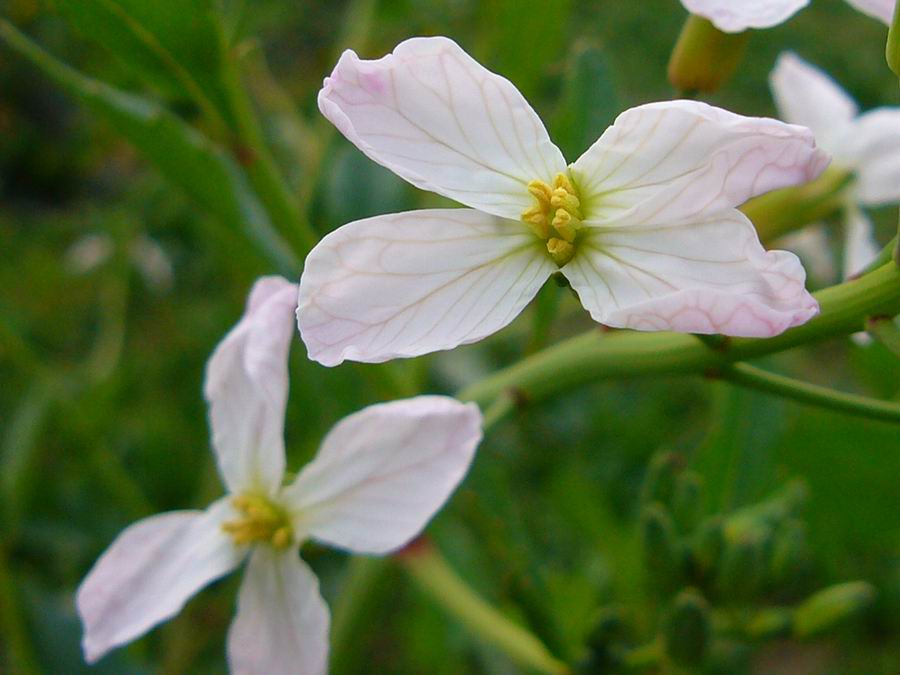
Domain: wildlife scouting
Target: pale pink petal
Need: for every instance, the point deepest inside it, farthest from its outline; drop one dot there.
(882, 10)
(806, 95)
(735, 16)
(677, 160)
(860, 247)
(149, 572)
(872, 148)
(433, 115)
(281, 627)
(247, 386)
(705, 276)
(382, 473)
(417, 282)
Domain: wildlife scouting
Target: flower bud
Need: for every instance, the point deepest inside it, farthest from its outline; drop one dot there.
(659, 483)
(704, 57)
(769, 623)
(687, 502)
(743, 565)
(659, 546)
(893, 44)
(706, 547)
(828, 608)
(688, 629)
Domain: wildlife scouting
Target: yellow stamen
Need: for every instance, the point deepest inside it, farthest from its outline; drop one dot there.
(261, 521)
(560, 250)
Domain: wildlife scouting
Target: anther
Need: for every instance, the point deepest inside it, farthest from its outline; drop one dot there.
(560, 250)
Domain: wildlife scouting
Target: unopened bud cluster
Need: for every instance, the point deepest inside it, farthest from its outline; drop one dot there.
(716, 585)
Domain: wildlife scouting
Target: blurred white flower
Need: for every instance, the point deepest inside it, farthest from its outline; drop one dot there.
(151, 260)
(643, 225)
(866, 145)
(736, 16)
(877, 9)
(88, 253)
(377, 479)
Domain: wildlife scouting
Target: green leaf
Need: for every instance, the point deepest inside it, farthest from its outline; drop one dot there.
(589, 102)
(184, 155)
(173, 44)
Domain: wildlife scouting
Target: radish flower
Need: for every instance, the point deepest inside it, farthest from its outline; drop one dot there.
(643, 225)
(882, 10)
(736, 16)
(867, 146)
(377, 479)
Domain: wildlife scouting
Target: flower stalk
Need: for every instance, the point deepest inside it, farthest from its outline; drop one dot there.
(599, 356)
(437, 579)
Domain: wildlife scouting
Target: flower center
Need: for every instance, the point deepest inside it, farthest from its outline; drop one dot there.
(261, 521)
(555, 217)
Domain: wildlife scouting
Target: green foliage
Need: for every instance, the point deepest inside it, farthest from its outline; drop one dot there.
(573, 525)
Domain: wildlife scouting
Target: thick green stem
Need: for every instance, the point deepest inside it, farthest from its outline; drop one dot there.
(823, 397)
(436, 578)
(705, 58)
(599, 356)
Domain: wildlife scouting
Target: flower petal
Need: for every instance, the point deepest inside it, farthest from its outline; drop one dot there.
(149, 572)
(877, 9)
(707, 276)
(735, 16)
(860, 247)
(247, 386)
(382, 473)
(433, 115)
(281, 627)
(412, 283)
(806, 95)
(872, 147)
(681, 159)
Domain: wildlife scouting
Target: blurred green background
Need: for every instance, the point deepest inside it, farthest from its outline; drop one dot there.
(119, 276)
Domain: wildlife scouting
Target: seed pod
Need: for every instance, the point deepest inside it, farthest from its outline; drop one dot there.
(688, 629)
(828, 608)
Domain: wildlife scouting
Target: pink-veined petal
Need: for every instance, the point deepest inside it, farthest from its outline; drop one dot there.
(735, 16)
(860, 247)
(883, 10)
(706, 276)
(149, 572)
(678, 160)
(433, 115)
(382, 473)
(806, 95)
(281, 627)
(412, 283)
(247, 386)
(872, 148)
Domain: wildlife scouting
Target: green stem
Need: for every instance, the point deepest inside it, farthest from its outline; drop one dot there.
(754, 378)
(17, 650)
(885, 330)
(597, 356)
(883, 258)
(436, 578)
(263, 173)
(892, 51)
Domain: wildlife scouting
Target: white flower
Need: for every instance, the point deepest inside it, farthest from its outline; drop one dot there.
(736, 16)
(867, 145)
(877, 9)
(378, 478)
(643, 225)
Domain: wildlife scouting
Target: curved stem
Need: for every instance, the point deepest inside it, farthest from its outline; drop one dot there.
(885, 330)
(597, 356)
(435, 576)
(755, 378)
